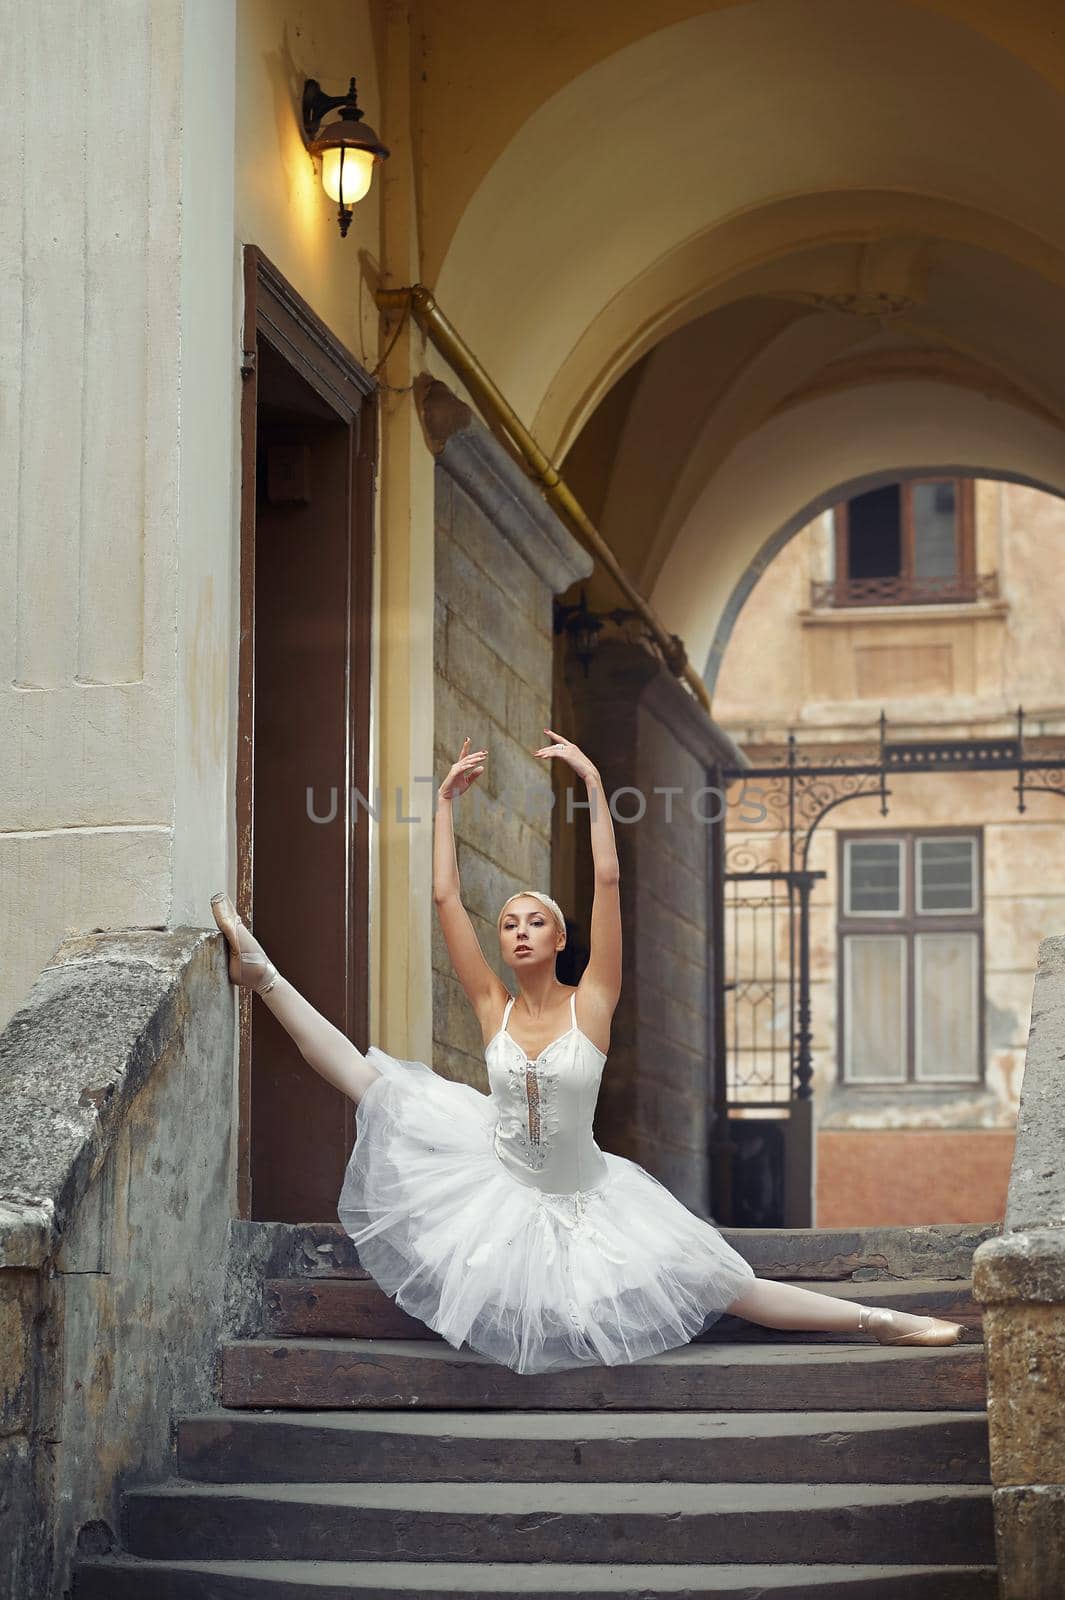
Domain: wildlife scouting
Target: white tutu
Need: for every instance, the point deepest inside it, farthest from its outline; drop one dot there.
(535, 1280)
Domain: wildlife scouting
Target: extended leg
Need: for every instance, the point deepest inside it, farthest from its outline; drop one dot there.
(321, 1045)
(785, 1305)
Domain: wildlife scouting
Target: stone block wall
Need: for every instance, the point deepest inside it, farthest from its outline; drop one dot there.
(501, 556)
(647, 735)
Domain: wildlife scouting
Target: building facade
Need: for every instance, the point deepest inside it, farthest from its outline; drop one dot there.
(927, 921)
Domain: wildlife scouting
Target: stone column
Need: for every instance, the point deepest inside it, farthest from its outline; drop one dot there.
(659, 755)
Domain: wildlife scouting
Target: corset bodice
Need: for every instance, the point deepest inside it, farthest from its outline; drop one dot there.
(543, 1134)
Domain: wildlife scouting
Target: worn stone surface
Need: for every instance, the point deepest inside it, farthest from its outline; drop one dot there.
(644, 732)
(936, 1250)
(1026, 1386)
(374, 1373)
(71, 1061)
(609, 1522)
(1030, 1535)
(357, 1308)
(1022, 1267)
(1037, 1184)
(589, 1447)
(123, 1578)
(116, 1165)
(939, 1251)
(504, 494)
(501, 555)
(1020, 1278)
(258, 1251)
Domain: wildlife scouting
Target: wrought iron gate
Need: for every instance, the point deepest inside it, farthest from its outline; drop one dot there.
(764, 926)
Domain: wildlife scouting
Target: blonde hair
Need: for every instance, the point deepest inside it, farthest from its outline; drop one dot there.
(534, 894)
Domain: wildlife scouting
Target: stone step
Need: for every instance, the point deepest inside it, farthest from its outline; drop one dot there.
(312, 1374)
(616, 1447)
(614, 1522)
(934, 1250)
(358, 1309)
(127, 1578)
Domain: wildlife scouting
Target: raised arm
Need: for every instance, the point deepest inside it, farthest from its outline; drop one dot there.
(601, 979)
(484, 988)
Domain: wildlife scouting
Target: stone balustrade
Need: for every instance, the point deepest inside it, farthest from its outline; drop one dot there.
(1019, 1278)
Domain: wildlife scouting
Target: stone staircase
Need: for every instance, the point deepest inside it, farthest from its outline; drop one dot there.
(355, 1454)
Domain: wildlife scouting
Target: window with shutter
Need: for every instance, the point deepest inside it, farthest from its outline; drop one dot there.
(910, 958)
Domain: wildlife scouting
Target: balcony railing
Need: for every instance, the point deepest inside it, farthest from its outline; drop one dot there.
(903, 591)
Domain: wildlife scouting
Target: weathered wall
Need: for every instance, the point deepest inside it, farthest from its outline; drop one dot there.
(1020, 1280)
(115, 1184)
(645, 733)
(501, 555)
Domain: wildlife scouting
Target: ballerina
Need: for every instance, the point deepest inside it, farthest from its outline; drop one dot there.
(496, 1219)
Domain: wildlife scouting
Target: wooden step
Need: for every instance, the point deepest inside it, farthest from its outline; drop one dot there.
(936, 1250)
(528, 1522)
(358, 1309)
(311, 1374)
(616, 1447)
(127, 1578)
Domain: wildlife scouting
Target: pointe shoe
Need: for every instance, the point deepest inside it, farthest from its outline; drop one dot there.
(883, 1325)
(248, 968)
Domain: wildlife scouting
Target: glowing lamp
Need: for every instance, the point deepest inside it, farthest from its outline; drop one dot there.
(349, 147)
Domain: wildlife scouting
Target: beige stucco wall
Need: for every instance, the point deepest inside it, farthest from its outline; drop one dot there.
(788, 666)
(280, 203)
(119, 569)
(116, 321)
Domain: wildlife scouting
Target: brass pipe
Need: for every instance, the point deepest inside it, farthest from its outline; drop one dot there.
(432, 321)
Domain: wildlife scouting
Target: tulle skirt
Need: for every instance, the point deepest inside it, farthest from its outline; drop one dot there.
(535, 1281)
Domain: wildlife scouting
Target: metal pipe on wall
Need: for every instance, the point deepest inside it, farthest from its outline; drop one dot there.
(427, 314)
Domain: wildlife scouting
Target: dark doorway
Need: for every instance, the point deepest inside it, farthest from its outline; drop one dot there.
(302, 842)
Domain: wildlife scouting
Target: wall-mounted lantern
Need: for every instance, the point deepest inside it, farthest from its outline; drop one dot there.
(584, 627)
(349, 147)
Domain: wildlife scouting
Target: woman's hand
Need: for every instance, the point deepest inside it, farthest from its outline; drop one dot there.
(466, 770)
(570, 754)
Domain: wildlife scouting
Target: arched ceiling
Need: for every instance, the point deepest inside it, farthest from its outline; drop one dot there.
(707, 386)
(810, 455)
(484, 69)
(729, 263)
(726, 141)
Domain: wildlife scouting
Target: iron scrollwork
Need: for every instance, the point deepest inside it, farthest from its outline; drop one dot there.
(799, 795)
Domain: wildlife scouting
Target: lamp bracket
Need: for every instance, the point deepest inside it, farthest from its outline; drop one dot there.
(316, 105)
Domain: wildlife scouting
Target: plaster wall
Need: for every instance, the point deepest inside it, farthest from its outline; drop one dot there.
(280, 204)
(90, 240)
(115, 575)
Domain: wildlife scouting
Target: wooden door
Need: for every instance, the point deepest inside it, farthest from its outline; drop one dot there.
(303, 736)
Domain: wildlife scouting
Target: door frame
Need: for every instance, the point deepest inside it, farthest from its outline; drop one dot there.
(275, 312)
